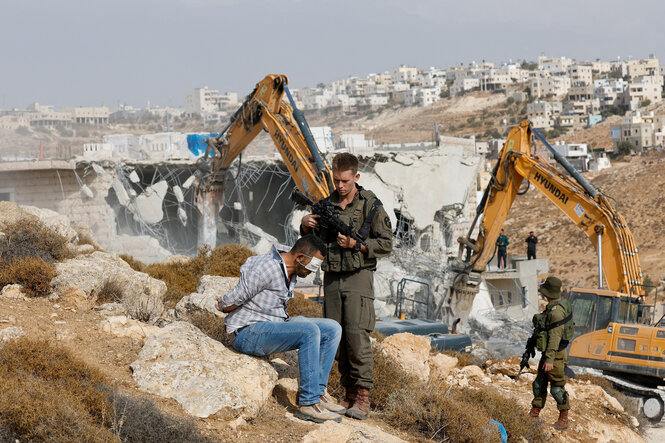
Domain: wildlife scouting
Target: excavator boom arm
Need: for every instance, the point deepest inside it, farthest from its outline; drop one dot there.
(593, 215)
(265, 109)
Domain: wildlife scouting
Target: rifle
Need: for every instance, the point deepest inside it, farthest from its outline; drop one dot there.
(326, 211)
(529, 352)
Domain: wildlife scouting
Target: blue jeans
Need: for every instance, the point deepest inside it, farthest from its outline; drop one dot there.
(316, 340)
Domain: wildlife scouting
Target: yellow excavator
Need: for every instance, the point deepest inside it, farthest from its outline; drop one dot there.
(263, 109)
(615, 330)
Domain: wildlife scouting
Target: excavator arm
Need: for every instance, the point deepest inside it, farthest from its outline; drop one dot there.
(585, 206)
(265, 109)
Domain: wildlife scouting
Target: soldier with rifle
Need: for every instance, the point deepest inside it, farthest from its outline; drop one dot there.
(349, 267)
(553, 331)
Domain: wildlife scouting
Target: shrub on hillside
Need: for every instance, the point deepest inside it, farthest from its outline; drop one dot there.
(299, 305)
(31, 238)
(110, 292)
(212, 326)
(50, 395)
(33, 273)
(182, 278)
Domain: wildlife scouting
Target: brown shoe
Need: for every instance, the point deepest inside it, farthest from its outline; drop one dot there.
(535, 412)
(317, 414)
(351, 392)
(360, 408)
(331, 404)
(562, 423)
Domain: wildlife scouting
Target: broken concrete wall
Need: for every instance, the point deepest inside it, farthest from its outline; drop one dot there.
(71, 189)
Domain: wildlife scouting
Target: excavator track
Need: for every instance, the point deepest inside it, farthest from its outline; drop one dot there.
(653, 400)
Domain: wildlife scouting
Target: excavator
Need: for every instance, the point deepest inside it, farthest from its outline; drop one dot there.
(615, 330)
(263, 109)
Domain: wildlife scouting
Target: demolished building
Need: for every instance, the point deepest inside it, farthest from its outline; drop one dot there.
(148, 209)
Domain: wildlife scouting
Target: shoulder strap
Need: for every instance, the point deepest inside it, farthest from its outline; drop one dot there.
(556, 324)
(369, 218)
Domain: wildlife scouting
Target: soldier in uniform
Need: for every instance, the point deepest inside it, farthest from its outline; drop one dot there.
(554, 328)
(349, 267)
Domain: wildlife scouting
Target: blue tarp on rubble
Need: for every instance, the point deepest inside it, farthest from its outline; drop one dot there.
(197, 142)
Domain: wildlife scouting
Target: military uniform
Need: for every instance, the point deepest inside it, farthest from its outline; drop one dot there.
(553, 339)
(349, 282)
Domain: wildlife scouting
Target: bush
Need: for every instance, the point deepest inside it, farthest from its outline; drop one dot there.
(110, 292)
(133, 263)
(138, 420)
(49, 395)
(306, 307)
(212, 326)
(31, 238)
(626, 148)
(436, 414)
(33, 273)
(182, 278)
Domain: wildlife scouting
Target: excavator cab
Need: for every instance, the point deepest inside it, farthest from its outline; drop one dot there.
(594, 310)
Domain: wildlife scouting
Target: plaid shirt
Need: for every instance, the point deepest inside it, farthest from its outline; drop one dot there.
(262, 292)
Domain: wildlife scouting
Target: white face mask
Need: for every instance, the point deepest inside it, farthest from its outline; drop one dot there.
(314, 264)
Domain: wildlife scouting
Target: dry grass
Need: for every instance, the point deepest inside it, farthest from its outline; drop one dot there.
(300, 305)
(110, 292)
(212, 326)
(439, 415)
(133, 263)
(31, 238)
(33, 273)
(85, 235)
(49, 395)
(181, 278)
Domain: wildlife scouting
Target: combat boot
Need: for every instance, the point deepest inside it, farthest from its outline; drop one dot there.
(562, 423)
(360, 408)
(351, 392)
(535, 412)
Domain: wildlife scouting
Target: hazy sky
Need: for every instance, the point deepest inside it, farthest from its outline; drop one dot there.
(92, 52)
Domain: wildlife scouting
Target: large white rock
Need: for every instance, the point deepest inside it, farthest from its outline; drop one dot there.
(205, 298)
(11, 212)
(201, 374)
(440, 366)
(143, 294)
(410, 352)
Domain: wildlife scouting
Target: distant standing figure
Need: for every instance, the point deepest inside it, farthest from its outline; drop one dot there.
(502, 244)
(531, 241)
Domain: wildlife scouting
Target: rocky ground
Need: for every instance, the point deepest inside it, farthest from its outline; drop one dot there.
(150, 351)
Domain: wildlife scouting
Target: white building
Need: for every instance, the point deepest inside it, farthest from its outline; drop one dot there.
(323, 136)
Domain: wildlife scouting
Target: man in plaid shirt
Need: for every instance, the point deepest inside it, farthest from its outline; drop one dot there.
(257, 317)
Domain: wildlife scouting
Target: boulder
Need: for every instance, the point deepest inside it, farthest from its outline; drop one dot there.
(201, 374)
(205, 298)
(142, 294)
(410, 352)
(440, 366)
(122, 326)
(472, 372)
(11, 212)
(10, 333)
(14, 292)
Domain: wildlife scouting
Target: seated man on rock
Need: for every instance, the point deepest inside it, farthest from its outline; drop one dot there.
(257, 317)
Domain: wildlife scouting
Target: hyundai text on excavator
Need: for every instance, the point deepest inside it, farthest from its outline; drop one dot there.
(615, 331)
(263, 109)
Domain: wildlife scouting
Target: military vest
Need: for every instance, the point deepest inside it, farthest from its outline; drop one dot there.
(542, 327)
(358, 214)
